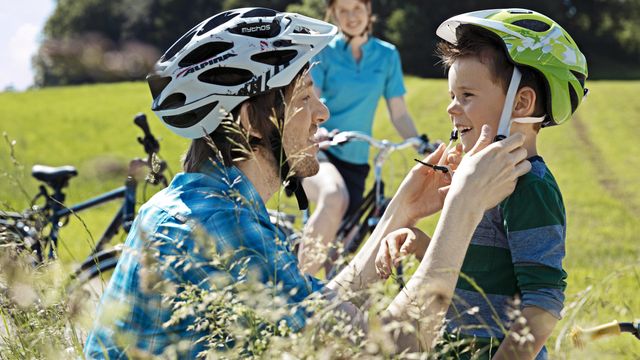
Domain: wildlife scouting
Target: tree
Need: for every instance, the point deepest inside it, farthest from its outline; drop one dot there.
(96, 40)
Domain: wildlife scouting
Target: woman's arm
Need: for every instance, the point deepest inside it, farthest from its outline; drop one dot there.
(400, 117)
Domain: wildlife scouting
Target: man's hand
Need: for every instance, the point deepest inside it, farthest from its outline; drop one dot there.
(397, 245)
(423, 190)
(489, 172)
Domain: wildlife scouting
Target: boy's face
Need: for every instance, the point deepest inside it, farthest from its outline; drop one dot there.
(476, 99)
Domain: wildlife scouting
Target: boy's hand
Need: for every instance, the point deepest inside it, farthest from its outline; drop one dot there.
(397, 245)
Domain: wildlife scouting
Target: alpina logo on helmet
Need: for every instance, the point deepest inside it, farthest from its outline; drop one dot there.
(251, 29)
(204, 64)
(258, 84)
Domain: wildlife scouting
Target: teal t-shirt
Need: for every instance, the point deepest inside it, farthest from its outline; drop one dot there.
(351, 90)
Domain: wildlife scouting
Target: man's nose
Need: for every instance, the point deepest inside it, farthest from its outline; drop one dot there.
(321, 113)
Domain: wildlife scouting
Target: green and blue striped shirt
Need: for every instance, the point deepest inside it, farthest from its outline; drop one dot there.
(516, 251)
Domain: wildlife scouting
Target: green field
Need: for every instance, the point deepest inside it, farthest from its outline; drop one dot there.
(595, 164)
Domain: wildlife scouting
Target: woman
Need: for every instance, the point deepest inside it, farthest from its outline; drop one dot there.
(350, 75)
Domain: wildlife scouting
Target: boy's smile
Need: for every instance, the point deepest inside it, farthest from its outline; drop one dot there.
(476, 99)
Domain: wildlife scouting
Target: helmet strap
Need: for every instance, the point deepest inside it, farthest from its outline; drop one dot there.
(504, 127)
(529, 119)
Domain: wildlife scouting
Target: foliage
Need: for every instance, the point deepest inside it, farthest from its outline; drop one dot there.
(38, 320)
(312, 8)
(88, 41)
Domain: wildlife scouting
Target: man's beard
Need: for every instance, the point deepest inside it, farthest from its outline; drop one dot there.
(304, 166)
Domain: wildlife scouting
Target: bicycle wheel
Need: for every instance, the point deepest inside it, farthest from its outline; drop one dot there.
(351, 233)
(88, 277)
(366, 227)
(20, 232)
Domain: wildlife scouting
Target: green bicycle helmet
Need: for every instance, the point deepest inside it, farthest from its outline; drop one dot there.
(534, 40)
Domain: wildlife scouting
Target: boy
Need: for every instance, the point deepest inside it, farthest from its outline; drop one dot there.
(518, 247)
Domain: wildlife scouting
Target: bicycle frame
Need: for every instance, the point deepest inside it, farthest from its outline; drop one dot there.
(123, 217)
(352, 231)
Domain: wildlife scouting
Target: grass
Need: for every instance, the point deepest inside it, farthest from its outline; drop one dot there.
(593, 159)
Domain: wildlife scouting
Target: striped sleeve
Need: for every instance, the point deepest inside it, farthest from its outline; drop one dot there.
(535, 222)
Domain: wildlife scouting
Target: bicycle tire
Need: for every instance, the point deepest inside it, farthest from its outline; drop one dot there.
(359, 221)
(365, 229)
(93, 267)
(18, 230)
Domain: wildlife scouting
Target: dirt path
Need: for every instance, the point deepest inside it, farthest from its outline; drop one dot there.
(605, 176)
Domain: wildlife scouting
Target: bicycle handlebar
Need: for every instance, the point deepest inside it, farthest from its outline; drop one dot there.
(151, 145)
(346, 136)
(579, 336)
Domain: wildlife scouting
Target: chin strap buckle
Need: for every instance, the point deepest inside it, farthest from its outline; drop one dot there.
(443, 169)
(294, 186)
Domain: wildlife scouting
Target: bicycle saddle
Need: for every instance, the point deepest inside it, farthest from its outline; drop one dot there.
(54, 176)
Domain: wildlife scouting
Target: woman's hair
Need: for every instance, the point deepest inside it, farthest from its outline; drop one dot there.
(230, 142)
(331, 3)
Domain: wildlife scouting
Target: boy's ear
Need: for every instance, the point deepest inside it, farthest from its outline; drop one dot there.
(525, 103)
(245, 124)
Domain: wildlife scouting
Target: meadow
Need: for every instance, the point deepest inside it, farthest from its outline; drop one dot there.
(593, 158)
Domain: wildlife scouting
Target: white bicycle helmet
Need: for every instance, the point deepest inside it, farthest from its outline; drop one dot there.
(227, 59)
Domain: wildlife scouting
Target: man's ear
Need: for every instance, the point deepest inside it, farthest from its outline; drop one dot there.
(525, 103)
(245, 124)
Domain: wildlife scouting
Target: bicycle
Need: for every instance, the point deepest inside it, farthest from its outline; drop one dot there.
(579, 336)
(27, 229)
(356, 226)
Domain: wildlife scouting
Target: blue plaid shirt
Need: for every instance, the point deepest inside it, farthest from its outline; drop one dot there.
(221, 201)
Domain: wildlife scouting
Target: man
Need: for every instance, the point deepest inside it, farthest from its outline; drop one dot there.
(238, 84)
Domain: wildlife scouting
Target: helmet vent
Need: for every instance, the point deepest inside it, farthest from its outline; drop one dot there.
(172, 101)
(533, 25)
(260, 12)
(178, 45)
(157, 84)
(520, 11)
(282, 43)
(217, 21)
(190, 118)
(573, 97)
(278, 57)
(226, 76)
(301, 30)
(205, 52)
(581, 78)
(262, 30)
